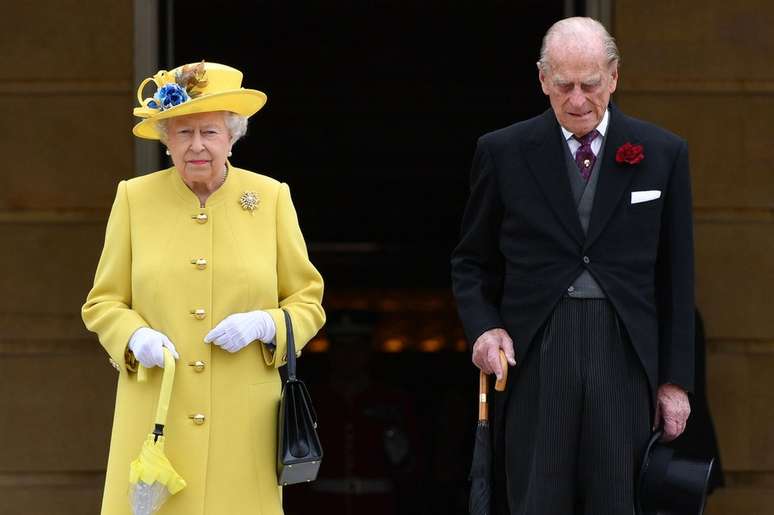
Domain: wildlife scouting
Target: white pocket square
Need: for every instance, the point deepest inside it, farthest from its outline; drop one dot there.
(645, 196)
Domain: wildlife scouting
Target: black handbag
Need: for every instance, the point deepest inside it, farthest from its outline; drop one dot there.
(299, 452)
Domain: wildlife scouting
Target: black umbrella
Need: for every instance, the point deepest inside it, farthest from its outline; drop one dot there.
(481, 468)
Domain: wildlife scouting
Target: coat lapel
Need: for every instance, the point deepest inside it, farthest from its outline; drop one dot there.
(546, 160)
(614, 179)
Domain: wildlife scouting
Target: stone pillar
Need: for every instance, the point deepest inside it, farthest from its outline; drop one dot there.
(66, 89)
(703, 70)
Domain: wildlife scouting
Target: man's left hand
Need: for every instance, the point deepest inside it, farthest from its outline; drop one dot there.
(672, 411)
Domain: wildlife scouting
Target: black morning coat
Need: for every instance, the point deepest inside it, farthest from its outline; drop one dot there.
(522, 244)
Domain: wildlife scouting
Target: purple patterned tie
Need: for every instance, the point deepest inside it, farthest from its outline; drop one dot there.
(584, 156)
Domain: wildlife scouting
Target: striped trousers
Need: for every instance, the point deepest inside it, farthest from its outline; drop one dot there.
(577, 417)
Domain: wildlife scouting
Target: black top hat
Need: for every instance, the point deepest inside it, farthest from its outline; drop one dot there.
(671, 484)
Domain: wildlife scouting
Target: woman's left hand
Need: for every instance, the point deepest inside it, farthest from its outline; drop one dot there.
(240, 329)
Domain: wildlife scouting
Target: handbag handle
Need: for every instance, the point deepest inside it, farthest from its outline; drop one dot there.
(291, 351)
(291, 344)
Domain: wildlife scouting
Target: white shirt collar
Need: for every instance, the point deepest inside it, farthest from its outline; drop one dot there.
(602, 127)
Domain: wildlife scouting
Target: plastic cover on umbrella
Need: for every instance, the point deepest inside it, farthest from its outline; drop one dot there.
(151, 476)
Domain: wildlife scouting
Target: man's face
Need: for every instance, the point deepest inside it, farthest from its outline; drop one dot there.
(579, 84)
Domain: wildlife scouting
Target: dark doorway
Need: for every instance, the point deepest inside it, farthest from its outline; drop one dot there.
(373, 114)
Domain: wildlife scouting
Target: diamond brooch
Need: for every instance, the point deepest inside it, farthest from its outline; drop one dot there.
(249, 201)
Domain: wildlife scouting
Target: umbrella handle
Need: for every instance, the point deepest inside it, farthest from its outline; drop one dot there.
(483, 390)
(166, 388)
(500, 384)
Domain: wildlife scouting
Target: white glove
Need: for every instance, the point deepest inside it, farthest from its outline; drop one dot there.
(146, 344)
(238, 330)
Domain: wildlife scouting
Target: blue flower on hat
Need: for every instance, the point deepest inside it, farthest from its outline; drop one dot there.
(168, 96)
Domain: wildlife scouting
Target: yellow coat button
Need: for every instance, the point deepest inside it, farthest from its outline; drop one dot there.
(198, 419)
(198, 366)
(199, 314)
(201, 218)
(200, 263)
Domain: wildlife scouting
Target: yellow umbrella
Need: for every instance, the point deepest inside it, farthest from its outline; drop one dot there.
(151, 476)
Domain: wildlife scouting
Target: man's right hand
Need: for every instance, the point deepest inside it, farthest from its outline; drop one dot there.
(486, 351)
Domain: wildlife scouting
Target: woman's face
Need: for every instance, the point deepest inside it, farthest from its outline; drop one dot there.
(199, 144)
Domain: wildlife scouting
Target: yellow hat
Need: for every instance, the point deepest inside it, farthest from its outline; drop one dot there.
(194, 88)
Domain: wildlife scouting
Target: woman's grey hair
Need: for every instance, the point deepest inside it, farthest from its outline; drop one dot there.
(577, 28)
(236, 124)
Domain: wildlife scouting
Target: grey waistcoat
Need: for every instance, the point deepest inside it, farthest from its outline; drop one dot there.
(583, 193)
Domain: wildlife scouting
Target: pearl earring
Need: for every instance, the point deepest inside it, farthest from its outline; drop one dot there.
(229, 153)
(167, 152)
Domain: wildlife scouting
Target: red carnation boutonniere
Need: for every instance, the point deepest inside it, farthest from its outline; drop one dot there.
(629, 154)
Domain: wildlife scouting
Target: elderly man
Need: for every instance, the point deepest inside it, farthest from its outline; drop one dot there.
(576, 259)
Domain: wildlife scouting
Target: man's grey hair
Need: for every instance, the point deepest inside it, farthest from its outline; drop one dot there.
(236, 124)
(577, 28)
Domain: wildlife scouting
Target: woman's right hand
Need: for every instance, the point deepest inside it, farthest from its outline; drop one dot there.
(147, 344)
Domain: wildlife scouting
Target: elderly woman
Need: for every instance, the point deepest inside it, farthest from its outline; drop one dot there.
(201, 258)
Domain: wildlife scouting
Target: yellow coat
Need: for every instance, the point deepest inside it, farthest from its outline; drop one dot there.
(146, 277)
